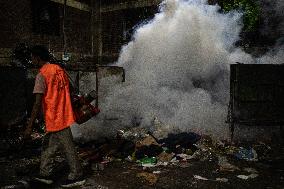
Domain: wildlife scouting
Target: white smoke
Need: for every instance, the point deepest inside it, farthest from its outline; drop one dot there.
(177, 69)
(275, 56)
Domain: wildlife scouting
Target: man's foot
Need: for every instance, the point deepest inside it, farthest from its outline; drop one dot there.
(45, 180)
(72, 183)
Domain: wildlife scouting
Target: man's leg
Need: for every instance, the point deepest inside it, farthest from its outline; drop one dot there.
(66, 140)
(49, 148)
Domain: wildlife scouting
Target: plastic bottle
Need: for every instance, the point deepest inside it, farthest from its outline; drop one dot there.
(148, 160)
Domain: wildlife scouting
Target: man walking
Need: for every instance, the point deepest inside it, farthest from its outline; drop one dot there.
(51, 90)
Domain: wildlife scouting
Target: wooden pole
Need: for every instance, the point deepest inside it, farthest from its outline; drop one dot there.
(97, 86)
(63, 26)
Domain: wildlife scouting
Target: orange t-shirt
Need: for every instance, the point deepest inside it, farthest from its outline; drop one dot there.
(57, 107)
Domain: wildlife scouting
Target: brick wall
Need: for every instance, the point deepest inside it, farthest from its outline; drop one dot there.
(111, 32)
(16, 23)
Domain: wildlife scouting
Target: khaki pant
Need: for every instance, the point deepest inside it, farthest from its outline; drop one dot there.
(59, 141)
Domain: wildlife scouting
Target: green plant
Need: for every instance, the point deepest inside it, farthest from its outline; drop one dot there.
(249, 7)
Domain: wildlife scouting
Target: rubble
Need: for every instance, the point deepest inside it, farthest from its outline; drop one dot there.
(250, 170)
(156, 172)
(151, 178)
(178, 143)
(245, 177)
(199, 177)
(225, 165)
(148, 151)
(21, 184)
(147, 141)
(247, 154)
(165, 157)
(133, 134)
(222, 179)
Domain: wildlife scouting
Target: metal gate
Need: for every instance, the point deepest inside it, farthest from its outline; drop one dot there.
(256, 95)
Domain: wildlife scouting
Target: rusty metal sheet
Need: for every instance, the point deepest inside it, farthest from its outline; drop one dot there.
(257, 94)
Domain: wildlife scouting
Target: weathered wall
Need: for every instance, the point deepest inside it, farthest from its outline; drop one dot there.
(118, 28)
(17, 26)
(111, 25)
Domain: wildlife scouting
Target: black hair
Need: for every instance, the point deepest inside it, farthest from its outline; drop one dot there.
(41, 51)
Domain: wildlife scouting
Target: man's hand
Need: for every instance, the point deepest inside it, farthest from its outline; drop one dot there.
(36, 108)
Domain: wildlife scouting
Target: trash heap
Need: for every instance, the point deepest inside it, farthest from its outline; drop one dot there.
(157, 147)
(146, 147)
(150, 148)
(155, 150)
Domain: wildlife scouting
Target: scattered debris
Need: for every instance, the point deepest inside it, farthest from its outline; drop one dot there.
(245, 177)
(183, 157)
(174, 160)
(225, 165)
(184, 164)
(21, 184)
(162, 163)
(247, 154)
(178, 143)
(165, 157)
(262, 150)
(148, 161)
(147, 141)
(250, 170)
(222, 179)
(199, 177)
(145, 151)
(150, 177)
(133, 134)
(97, 166)
(217, 179)
(156, 172)
(148, 151)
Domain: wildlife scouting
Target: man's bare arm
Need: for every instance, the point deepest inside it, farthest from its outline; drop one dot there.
(35, 111)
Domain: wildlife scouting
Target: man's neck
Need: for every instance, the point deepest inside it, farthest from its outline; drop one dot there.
(42, 63)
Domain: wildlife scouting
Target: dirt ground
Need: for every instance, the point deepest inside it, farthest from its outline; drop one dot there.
(266, 173)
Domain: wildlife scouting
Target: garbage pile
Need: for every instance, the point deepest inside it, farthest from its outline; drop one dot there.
(155, 148)
(152, 153)
(141, 146)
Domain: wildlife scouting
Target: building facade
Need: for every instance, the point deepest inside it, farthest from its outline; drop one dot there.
(90, 31)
